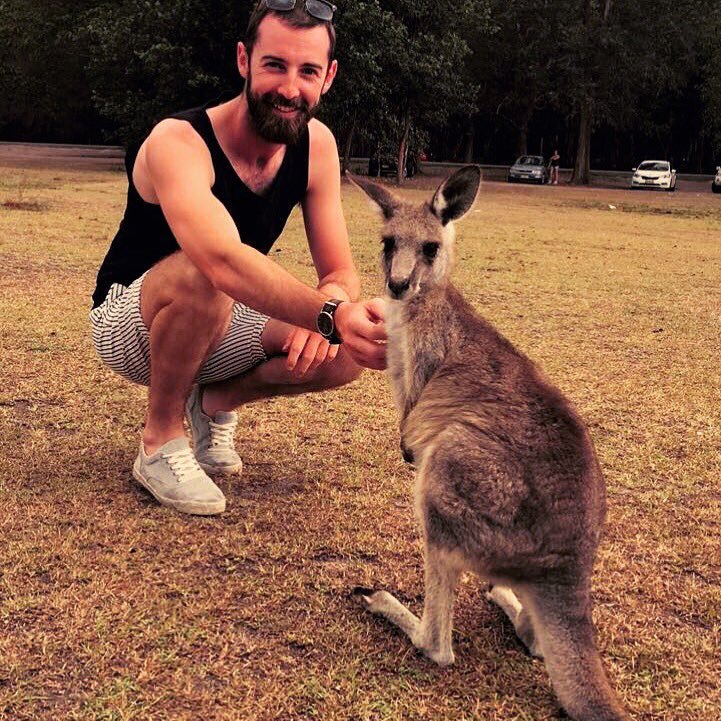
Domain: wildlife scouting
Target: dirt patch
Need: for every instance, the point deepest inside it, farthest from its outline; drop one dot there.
(646, 209)
(33, 206)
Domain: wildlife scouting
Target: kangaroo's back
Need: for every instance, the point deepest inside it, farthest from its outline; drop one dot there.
(485, 405)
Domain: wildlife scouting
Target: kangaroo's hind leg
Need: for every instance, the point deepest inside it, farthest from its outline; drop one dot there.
(519, 616)
(432, 632)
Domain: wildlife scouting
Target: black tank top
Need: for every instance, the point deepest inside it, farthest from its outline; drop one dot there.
(144, 236)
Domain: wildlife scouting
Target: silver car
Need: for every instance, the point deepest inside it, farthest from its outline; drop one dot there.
(529, 169)
(716, 183)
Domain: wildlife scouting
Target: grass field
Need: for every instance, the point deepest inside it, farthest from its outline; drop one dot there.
(114, 608)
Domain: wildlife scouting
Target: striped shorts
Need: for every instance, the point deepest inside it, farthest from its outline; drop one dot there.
(123, 342)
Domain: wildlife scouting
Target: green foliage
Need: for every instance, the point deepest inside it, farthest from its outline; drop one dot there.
(711, 74)
(402, 67)
(149, 58)
(516, 62)
(358, 104)
(109, 69)
(42, 85)
(614, 51)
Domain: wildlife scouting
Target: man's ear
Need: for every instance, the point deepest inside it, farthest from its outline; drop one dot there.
(457, 194)
(243, 60)
(329, 76)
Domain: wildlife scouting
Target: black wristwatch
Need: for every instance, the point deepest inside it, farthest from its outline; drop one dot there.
(326, 321)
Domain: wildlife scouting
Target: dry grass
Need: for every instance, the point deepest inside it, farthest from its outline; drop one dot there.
(113, 608)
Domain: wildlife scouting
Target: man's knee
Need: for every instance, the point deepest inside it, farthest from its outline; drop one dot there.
(176, 280)
(186, 282)
(341, 371)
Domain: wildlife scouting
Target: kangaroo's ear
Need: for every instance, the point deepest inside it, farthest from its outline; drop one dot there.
(456, 194)
(381, 197)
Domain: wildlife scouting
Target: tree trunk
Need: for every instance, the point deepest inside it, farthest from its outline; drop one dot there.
(582, 166)
(403, 147)
(570, 134)
(522, 146)
(522, 143)
(700, 148)
(470, 138)
(348, 145)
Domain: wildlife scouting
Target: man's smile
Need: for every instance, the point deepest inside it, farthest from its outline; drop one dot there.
(285, 110)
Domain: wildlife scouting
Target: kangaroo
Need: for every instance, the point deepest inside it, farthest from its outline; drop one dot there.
(507, 484)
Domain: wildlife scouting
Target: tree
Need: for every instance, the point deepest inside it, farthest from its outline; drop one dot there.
(612, 51)
(516, 62)
(711, 84)
(357, 105)
(427, 81)
(43, 90)
(149, 58)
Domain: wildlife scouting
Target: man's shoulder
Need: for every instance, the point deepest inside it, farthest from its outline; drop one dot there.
(324, 164)
(173, 132)
(172, 139)
(322, 139)
(173, 149)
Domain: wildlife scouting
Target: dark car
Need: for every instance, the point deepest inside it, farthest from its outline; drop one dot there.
(389, 166)
(529, 169)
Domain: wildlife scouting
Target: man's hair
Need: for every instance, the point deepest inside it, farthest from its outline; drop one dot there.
(296, 18)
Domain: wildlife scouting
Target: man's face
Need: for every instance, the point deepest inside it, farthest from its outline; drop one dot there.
(286, 75)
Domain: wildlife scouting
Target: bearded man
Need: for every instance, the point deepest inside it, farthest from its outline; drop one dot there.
(187, 301)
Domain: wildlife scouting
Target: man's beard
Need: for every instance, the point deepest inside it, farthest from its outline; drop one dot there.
(271, 127)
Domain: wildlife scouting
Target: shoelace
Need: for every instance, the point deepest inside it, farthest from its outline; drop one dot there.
(222, 434)
(183, 464)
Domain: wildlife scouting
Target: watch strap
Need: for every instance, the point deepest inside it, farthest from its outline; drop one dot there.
(329, 308)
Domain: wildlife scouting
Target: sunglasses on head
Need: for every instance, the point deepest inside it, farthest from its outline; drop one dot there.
(319, 9)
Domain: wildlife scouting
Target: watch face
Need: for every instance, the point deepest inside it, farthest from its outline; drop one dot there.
(325, 323)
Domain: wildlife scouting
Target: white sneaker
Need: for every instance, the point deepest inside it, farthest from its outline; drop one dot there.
(213, 438)
(176, 480)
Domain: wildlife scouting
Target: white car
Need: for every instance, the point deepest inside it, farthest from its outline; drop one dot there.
(716, 183)
(654, 174)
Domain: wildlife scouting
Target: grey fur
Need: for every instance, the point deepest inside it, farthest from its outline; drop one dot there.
(508, 484)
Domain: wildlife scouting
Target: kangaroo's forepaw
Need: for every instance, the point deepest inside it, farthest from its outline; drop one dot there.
(362, 595)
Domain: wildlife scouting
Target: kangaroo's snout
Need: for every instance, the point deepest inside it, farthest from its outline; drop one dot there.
(397, 288)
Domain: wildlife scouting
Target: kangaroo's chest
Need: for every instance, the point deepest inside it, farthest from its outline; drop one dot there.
(414, 352)
(398, 352)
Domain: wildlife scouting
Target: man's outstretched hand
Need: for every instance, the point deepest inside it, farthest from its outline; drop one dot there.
(360, 326)
(307, 350)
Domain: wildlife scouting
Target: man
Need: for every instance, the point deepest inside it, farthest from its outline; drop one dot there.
(186, 294)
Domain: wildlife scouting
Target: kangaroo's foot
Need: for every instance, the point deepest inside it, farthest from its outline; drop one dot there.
(519, 617)
(385, 604)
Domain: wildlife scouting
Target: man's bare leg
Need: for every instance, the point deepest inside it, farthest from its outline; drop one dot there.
(187, 318)
(273, 378)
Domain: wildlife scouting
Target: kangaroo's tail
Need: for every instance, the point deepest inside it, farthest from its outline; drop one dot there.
(562, 624)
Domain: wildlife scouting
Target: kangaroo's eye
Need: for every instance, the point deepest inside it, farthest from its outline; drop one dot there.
(389, 244)
(430, 250)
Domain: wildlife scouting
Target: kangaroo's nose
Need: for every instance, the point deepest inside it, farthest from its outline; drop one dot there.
(398, 287)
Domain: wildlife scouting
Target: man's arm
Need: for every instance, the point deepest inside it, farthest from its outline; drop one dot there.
(324, 222)
(328, 242)
(181, 172)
